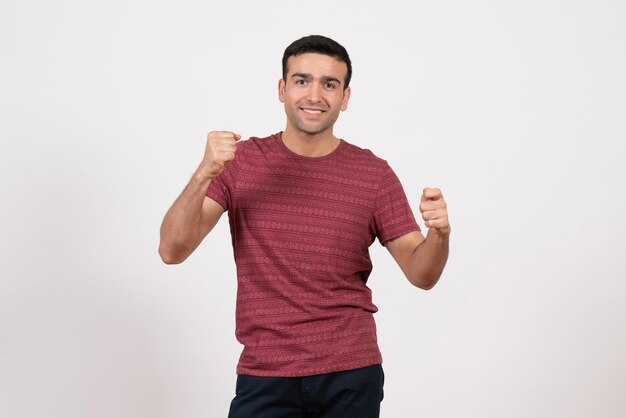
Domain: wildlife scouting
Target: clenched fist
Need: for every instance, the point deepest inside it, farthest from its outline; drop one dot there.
(220, 148)
(434, 210)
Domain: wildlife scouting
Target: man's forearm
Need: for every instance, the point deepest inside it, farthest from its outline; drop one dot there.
(185, 224)
(429, 259)
(181, 227)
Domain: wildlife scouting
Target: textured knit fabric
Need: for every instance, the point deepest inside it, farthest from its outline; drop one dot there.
(301, 228)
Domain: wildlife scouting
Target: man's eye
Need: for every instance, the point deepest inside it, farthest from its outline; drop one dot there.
(301, 82)
(329, 86)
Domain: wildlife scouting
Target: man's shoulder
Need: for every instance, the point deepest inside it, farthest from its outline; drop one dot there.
(256, 149)
(363, 154)
(257, 142)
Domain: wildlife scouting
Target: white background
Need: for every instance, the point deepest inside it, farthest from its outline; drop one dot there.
(515, 109)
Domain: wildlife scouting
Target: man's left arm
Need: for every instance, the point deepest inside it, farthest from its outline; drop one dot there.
(422, 259)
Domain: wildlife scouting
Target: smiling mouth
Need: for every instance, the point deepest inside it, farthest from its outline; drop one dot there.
(312, 111)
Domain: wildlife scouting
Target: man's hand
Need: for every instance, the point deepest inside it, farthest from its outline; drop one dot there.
(220, 148)
(434, 211)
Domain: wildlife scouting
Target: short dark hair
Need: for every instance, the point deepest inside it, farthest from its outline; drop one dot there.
(320, 45)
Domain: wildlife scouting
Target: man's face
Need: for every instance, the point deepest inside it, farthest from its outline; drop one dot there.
(313, 92)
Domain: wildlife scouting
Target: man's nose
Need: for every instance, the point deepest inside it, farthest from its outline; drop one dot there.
(315, 92)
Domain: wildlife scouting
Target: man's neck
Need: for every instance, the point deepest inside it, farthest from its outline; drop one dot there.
(310, 145)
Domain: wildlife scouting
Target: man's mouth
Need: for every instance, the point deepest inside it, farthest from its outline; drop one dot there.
(312, 111)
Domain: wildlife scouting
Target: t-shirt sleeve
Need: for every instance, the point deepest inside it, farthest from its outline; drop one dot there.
(392, 214)
(221, 187)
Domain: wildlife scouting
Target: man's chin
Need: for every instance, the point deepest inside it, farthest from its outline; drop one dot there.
(311, 130)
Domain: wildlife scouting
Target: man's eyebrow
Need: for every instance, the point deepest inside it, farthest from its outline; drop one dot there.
(328, 78)
(325, 79)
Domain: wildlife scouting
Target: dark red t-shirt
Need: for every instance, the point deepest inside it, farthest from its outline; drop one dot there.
(301, 228)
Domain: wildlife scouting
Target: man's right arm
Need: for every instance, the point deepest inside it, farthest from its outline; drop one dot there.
(193, 215)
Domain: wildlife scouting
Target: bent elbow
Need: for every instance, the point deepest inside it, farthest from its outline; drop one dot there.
(169, 257)
(426, 286)
(424, 283)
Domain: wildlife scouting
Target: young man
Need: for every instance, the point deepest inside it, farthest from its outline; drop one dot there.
(304, 206)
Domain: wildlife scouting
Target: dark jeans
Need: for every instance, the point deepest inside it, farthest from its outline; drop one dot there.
(350, 394)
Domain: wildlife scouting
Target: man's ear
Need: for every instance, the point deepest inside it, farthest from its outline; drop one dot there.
(346, 97)
(281, 90)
